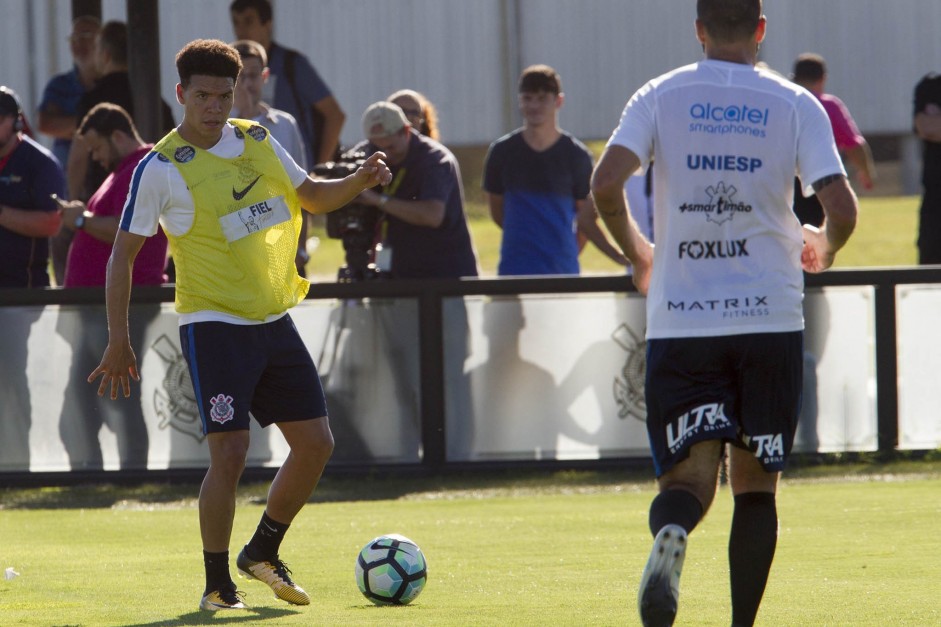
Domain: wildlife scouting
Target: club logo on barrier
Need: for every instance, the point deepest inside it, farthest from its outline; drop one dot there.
(222, 411)
(629, 385)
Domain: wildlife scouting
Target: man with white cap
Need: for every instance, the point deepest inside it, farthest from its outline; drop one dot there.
(424, 231)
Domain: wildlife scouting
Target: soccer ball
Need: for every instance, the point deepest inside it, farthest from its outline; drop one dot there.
(391, 570)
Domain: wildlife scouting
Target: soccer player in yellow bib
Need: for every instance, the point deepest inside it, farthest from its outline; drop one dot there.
(228, 196)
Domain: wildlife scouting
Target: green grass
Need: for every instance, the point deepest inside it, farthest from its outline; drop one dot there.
(885, 236)
(551, 548)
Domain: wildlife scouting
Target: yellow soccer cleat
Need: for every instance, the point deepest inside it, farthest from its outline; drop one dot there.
(276, 574)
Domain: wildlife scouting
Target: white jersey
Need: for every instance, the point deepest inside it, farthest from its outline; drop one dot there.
(728, 140)
(159, 195)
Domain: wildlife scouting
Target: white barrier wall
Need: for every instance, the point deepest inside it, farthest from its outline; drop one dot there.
(529, 377)
(919, 362)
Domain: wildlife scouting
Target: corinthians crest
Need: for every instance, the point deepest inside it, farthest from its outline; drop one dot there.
(629, 385)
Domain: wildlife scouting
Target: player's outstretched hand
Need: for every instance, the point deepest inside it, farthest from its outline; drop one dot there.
(816, 255)
(118, 365)
(374, 171)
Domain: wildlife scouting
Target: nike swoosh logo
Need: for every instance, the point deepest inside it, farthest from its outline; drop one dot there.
(376, 546)
(240, 195)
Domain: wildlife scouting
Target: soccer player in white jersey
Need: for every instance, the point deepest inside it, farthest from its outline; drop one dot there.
(229, 198)
(724, 286)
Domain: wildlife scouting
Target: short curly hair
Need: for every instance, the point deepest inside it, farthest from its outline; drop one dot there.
(729, 20)
(207, 57)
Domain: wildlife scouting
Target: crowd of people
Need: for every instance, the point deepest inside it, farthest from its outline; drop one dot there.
(535, 178)
(225, 194)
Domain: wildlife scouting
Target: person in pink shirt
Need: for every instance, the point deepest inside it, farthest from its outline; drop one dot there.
(112, 141)
(810, 72)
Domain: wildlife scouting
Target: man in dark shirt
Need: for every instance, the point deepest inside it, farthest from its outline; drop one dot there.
(29, 174)
(424, 227)
(114, 86)
(928, 127)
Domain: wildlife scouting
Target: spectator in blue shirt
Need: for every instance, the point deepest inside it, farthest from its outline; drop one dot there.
(537, 183)
(58, 109)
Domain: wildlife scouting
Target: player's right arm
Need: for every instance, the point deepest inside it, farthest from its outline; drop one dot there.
(119, 363)
(617, 163)
(148, 199)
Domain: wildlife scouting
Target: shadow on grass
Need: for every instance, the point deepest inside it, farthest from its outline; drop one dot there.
(249, 616)
(339, 487)
(471, 481)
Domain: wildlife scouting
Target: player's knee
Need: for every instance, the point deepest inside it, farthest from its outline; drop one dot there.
(325, 444)
(317, 443)
(228, 452)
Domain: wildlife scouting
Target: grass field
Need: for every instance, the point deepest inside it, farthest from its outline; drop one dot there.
(564, 548)
(885, 236)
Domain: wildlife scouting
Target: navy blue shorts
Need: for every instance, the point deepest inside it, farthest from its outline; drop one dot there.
(264, 369)
(744, 389)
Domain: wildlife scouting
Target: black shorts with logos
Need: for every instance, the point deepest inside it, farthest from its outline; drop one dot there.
(264, 369)
(744, 389)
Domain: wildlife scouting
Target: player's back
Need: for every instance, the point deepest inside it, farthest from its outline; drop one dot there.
(727, 139)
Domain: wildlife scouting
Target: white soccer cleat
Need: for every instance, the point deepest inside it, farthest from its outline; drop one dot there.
(659, 591)
(223, 599)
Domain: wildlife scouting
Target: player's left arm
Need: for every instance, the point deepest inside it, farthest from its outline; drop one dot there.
(324, 196)
(840, 208)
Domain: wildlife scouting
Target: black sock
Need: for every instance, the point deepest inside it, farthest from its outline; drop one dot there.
(217, 570)
(265, 543)
(752, 542)
(674, 507)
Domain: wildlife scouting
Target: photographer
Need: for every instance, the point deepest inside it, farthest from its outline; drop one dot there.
(424, 231)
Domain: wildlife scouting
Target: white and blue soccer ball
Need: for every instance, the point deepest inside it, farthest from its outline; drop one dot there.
(391, 570)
